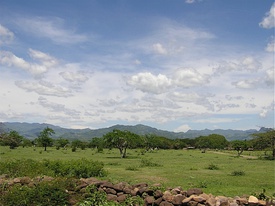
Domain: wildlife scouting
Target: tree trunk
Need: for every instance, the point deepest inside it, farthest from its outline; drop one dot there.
(45, 148)
(124, 153)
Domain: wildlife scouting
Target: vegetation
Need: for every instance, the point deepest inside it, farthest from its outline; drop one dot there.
(148, 158)
(44, 138)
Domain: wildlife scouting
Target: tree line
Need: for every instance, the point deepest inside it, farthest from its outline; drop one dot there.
(123, 140)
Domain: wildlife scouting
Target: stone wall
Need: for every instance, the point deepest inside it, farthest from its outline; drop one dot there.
(152, 194)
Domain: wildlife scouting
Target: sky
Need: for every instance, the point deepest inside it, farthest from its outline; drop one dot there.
(173, 65)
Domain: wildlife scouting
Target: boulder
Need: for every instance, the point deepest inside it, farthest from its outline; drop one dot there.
(194, 191)
(167, 196)
(252, 200)
(177, 199)
(149, 200)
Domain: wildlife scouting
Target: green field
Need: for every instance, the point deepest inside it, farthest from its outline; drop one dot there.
(218, 173)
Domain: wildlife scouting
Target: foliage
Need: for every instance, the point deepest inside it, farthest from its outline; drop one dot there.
(11, 139)
(61, 142)
(44, 194)
(238, 173)
(213, 141)
(74, 168)
(239, 146)
(266, 140)
(148, 163)
(212, 167)
(44, 138)
(121, 140)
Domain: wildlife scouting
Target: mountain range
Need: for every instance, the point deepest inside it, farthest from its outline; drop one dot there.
(32, 130)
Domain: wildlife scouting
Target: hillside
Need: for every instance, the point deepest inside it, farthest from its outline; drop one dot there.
(32, 130)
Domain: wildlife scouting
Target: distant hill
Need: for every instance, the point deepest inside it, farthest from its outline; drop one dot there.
(32, 130)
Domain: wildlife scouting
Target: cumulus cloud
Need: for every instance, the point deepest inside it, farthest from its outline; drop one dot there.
(269, 78)
(44, 88)
(188, 77)
(147, 82)
(268, 20)
(52, 28)
(6, 36)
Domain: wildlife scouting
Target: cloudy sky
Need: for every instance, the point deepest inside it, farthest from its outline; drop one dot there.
(174, 65)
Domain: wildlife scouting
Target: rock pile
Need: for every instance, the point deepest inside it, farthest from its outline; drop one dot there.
(152, 195)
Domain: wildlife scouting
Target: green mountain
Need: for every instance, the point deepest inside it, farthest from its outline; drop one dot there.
(32, 130)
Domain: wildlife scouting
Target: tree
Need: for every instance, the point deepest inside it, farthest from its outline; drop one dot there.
(120, 140)
(212, 141)
(44, 138)
(266, 140)
(239, 146)
(61, 142)
(12, 139)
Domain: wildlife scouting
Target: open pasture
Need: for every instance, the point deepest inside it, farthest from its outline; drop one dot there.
(215, 172)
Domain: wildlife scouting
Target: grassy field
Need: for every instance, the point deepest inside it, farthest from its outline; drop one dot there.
(218, 173)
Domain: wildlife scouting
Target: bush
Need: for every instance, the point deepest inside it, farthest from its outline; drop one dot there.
(238, 173)
(82, 168)
(44, 194)
(149, 163)
(212, 167)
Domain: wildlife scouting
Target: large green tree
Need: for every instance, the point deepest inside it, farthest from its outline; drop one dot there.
(44, 138)
(121, 140)
(266, 140)
(239, 146)
(11, 139)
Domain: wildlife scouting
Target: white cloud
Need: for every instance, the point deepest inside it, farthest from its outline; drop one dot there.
(11, 60)
(147, 82)
(271, 45)
(74, 76)
(183, 128)
(188, 77)
(245, 84)
(269, 79)
(6, 36)
(44, 88)
(248, 63)
(268, 20)
(52, 28)
(159, 49)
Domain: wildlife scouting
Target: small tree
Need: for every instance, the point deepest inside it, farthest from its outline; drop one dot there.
(120, 140)
(239, 146)
(44, 138)
(12, 139)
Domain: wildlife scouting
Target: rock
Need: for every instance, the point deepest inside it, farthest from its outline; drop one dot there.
(177, 199)
(149, 200)
(16, 180)
(167, 196)
(188, 199)
(252, 200)
(158, 201)
(25, 180)
(110, 191)
(111, 197)
(199, 199)
(241, 200)
(222, 201)
(211, 201)
(233, 204)
(121, 198)
(194, 191)
(192, 203)
(165, 203)
(158, 193)
(262, 202)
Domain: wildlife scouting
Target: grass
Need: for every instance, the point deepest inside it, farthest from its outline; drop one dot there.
(212, 172)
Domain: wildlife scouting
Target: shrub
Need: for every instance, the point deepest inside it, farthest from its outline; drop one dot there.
(212, 167)
(45, 193)
(132, 168)
(238, 173)
(148, 163)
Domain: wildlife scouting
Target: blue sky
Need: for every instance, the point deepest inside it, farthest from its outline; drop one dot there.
(174, 65)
